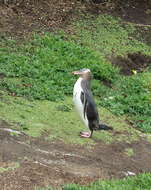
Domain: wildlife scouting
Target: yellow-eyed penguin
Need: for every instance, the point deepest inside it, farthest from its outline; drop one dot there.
(84, 103)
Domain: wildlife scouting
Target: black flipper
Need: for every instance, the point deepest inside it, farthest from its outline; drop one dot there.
(84, 102)
(82, 97)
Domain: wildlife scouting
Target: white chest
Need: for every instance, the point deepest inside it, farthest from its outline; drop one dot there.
(77, 100)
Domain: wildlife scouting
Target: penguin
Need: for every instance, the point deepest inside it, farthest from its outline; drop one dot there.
(85, 104)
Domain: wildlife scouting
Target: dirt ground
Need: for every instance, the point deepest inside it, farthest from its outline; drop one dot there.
(20, 18)
(43, 163)
(134, 62)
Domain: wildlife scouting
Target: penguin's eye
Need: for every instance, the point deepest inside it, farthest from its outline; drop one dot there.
(85, 70)
(82, 70)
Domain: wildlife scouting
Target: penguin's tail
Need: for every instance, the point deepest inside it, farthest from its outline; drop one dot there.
(104, 127)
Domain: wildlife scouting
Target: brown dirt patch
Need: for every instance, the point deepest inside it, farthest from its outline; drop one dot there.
(27, 16)
(133, 62)
(44, 163)
(135, 11)
(22, 17)
(138, 11)
(144, 34)
(2, 76)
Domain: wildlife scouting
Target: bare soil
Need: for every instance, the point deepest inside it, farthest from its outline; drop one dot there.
(136, 11)
(55, 163)
(133, 62)
(21, 19)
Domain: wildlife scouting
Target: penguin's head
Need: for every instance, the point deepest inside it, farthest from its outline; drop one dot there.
(84, 73)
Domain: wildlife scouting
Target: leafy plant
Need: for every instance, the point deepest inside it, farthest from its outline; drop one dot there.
(130, 96)
(42, 69)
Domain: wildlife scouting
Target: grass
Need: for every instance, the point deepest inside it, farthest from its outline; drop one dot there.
(131, 96)
(11, 166)
(140, 182)
(129, 151)
(45, 65)
(60, 121)
(109, 36)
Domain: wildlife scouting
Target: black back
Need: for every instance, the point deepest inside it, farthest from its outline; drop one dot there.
(90, 109)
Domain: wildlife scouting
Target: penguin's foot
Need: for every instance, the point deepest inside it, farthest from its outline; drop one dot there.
(85, 134)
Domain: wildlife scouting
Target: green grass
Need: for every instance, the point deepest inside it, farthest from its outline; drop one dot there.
(109, 36)
(140, 182)
(59, 120)
(131, 96)
(41, 69)
(129, 151)
(12, 166)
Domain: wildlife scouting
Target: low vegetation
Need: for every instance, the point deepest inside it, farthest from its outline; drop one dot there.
(109, 36)
(42, 69)
(139, 182)
(9, 166)
(132, 96)
(129, 152)
(58, 120)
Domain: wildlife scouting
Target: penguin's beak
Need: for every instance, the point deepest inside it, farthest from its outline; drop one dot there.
(77, 72)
